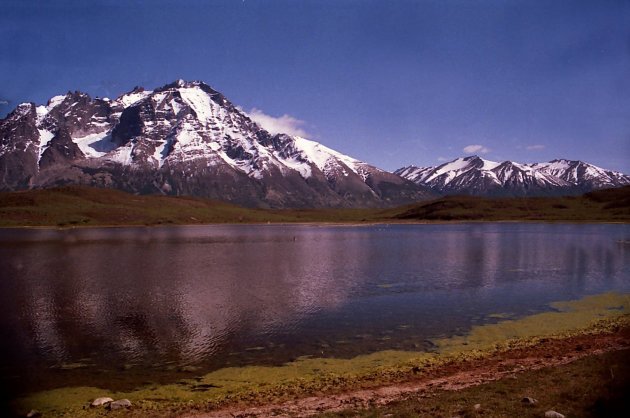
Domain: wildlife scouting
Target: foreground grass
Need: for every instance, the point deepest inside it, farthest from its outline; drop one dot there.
(595, 386)
(86, 206)
(307, 376)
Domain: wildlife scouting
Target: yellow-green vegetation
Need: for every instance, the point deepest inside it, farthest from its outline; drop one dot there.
(304, 376)
(567, 317)
(85, 206)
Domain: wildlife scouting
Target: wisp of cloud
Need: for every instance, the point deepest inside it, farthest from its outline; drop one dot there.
(285, 124)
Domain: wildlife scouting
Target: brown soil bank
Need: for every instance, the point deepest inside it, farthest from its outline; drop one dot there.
(586, 375)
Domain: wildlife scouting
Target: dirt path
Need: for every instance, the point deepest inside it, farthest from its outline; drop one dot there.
(453, 376)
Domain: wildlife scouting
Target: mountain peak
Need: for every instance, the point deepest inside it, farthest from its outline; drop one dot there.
(470, 158)
(184, 84)
(563, 161)
(54, 101)
(184, 138)
(476, 175)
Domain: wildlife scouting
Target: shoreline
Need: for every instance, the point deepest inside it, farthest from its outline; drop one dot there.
(575, 329)
(450, 377)
(313, 224)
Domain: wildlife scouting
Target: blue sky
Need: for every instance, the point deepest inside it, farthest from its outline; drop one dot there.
(390, 82)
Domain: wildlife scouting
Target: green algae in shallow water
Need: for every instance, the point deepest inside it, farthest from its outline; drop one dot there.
(570, 316)
(306, 375)
(63, 401)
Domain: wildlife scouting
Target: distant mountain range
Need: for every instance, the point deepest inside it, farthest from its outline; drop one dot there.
(183, 139)
(477, 176)
(187, 139)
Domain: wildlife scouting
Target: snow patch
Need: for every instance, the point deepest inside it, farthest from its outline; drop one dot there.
(121, 155)
(489, 165)
(188, 137)
(458, 164)
(41, 112)
(45, 136)
(95, 145)
(300, 166)
(199, 101)
(55, 101)
(158, 154)
(175, 106)
(320, 154)
(133, 97)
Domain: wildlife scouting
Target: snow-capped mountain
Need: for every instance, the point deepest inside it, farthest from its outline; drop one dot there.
(477, 176)
(185, 139)
(586, 176)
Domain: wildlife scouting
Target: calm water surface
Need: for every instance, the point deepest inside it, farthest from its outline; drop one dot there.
(131, 305)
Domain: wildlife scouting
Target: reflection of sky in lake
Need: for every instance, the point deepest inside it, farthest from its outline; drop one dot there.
(235, 294)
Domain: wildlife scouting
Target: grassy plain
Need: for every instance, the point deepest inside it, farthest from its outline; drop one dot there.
(84, 206)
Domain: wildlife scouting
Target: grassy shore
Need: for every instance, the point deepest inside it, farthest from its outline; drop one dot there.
(593, 386)
(574, 329)
(84, 206)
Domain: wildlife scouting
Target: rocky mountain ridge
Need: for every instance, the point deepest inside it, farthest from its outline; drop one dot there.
(476, 176)
(184, 138)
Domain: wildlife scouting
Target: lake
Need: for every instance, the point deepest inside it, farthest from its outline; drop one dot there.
(124, 306)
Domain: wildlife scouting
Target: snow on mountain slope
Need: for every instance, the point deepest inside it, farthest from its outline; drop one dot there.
(95, 145)
(475, 175)
(327, 159)
(183, 138)
(583, 174)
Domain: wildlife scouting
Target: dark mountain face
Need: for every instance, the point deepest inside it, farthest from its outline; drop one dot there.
(61, 150)
(19, 157)
(476, 176)
(183, 139)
